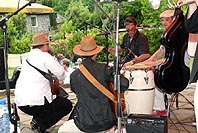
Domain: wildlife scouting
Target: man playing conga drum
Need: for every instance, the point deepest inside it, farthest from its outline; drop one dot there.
(159, 104)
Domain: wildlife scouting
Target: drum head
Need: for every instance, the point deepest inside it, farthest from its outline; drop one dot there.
(138, 66)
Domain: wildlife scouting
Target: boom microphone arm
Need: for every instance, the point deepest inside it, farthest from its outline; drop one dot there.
(95, 2)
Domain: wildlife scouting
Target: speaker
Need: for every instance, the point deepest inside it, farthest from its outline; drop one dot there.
(146, 124)
(2, 64)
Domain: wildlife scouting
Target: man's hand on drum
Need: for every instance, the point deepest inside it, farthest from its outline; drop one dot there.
(152, 63)
(148, 60)
(149, 63)
(130, 63)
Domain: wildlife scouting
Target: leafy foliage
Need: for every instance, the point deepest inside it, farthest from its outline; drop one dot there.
(83, 17)
(131, 9)
(18, 37)
(154, 36)
(21, 45)
(77, 12)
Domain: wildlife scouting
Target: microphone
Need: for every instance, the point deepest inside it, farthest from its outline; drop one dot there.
(131, 53)
(155, 4)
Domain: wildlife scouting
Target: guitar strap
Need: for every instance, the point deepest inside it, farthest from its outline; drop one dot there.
(97, 84)
(46, 75)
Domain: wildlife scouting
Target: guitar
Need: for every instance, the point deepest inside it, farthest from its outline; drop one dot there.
(113, 104)
(54, 84)
(111, 94)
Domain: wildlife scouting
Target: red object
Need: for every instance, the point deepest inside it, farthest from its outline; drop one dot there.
(160, 112)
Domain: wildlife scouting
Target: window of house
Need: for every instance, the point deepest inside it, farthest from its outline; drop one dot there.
(34, 21)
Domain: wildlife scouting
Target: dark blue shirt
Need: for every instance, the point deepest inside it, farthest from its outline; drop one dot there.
(138, 45)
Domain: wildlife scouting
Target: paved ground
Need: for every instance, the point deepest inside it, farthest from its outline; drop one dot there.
(180, 117)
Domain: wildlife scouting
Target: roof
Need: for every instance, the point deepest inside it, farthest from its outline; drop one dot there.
(7, 6)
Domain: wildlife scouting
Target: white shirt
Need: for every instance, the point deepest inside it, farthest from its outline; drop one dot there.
(32, 86)
(67, 75)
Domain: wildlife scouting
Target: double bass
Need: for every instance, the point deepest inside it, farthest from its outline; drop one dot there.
(172, 75)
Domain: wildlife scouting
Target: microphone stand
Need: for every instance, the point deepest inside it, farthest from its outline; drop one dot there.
(117, 72)
(101, 30)
(116, 64)
(128, 56)
(5, 38)
(106, 48)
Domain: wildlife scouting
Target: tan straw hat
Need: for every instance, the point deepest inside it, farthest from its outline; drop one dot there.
(87, 47)
(39, 39)
(167, 14)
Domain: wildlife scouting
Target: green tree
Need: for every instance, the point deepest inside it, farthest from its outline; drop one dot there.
(89, 4)
(77, 12)
(131, 9)
(151, 16)
(18, 38)
(50, 3)
(153, 28)
(60, 6)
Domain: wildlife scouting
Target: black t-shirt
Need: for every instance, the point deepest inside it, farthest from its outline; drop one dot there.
(192, 27)
(138, 45)
(192, 23)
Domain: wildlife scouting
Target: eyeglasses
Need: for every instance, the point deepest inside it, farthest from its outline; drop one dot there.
(133, 29)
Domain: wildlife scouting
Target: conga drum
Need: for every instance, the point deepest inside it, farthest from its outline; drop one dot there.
(139, 97)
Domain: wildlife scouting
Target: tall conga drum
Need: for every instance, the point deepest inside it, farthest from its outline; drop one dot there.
(139, 97)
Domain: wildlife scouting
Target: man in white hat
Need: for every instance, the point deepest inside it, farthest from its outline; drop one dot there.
(159, 104)
(33, 92)
(166, 18)
(92, 112)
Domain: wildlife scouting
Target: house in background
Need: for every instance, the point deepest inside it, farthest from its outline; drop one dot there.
(38, 19)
